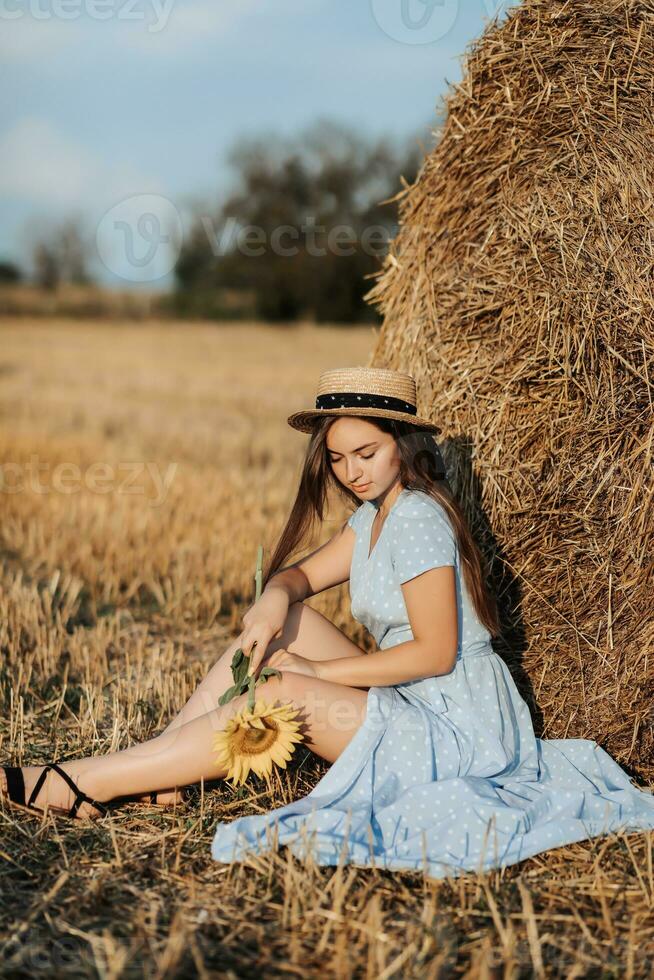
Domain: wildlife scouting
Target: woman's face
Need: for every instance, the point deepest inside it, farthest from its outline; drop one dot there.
(363, 458)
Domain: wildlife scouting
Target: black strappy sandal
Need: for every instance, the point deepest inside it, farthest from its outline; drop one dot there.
(16, 791)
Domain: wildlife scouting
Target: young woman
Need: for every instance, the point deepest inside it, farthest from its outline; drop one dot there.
(434, 760)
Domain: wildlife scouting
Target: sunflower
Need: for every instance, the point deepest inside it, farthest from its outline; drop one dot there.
(257, 737)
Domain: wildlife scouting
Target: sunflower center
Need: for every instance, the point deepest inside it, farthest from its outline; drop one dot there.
(252, 741)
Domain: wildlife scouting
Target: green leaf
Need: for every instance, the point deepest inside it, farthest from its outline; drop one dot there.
(230, 693)
(240, 663)
(239, 673)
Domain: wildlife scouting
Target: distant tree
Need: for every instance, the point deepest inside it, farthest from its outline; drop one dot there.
(47, 270)
(62, 253)
(9, 271)
(304, 225)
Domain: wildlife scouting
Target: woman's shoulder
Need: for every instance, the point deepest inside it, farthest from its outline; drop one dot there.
(356, 515)
(419, 504)
(422, 538)
(413, 504)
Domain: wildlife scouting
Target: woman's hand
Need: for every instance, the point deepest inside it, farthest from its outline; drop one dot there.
(285, 660)
(264, 621)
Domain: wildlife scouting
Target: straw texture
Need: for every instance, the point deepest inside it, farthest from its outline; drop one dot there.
(362, 381)
(519, 292)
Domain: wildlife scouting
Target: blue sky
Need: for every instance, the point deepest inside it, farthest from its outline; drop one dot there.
(108, 100)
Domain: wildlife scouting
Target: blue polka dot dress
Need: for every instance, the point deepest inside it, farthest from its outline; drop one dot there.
(445, 774)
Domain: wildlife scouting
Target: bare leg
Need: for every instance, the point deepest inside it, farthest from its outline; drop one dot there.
(330, 714)
(306, 631)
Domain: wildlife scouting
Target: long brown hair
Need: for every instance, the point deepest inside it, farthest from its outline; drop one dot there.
(421, 468)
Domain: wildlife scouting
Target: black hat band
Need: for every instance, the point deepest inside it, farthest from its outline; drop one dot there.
(350, 399)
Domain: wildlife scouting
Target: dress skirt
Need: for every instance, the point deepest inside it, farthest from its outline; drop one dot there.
(446, 775)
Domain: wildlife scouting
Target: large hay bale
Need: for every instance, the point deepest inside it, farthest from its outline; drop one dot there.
(520, 293)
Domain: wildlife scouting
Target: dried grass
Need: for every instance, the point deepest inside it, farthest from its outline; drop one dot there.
(520, 293)
(89, 666)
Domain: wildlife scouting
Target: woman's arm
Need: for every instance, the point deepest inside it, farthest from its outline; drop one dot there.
(430, 600)
(293, 581)
(323, 568)
(404, 662)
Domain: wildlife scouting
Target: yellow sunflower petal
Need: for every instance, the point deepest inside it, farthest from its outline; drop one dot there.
(254, 740)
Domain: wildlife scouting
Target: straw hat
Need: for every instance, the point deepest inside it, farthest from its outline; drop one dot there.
(375, 392)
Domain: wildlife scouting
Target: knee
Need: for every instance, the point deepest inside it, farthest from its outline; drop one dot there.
(289, 631)
(288, 686)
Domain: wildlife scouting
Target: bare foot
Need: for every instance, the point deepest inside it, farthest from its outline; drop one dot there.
(162, 797)
(55, 793)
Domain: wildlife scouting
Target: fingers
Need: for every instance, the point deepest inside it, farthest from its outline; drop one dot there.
(251, 636)
(254, 641)
(278, 657)
(246, 642)
(256, 656)
(255, 660)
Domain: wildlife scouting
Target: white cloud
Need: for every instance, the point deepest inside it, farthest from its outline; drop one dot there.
(29, 41)
(172, 27)
(45, 166)
(160, 29)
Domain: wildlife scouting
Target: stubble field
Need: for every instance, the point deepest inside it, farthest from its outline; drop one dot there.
(142, 465)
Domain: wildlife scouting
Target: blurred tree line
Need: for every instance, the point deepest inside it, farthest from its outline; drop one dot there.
(300, 232)
(302, 229)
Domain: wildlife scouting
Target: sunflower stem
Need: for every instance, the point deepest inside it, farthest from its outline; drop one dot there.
(258, 575)
(240, 663)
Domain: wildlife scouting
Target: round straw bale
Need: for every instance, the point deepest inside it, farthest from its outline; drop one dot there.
(519, 291)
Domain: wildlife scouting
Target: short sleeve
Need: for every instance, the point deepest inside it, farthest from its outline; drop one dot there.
(353, 519)
(422, 539)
